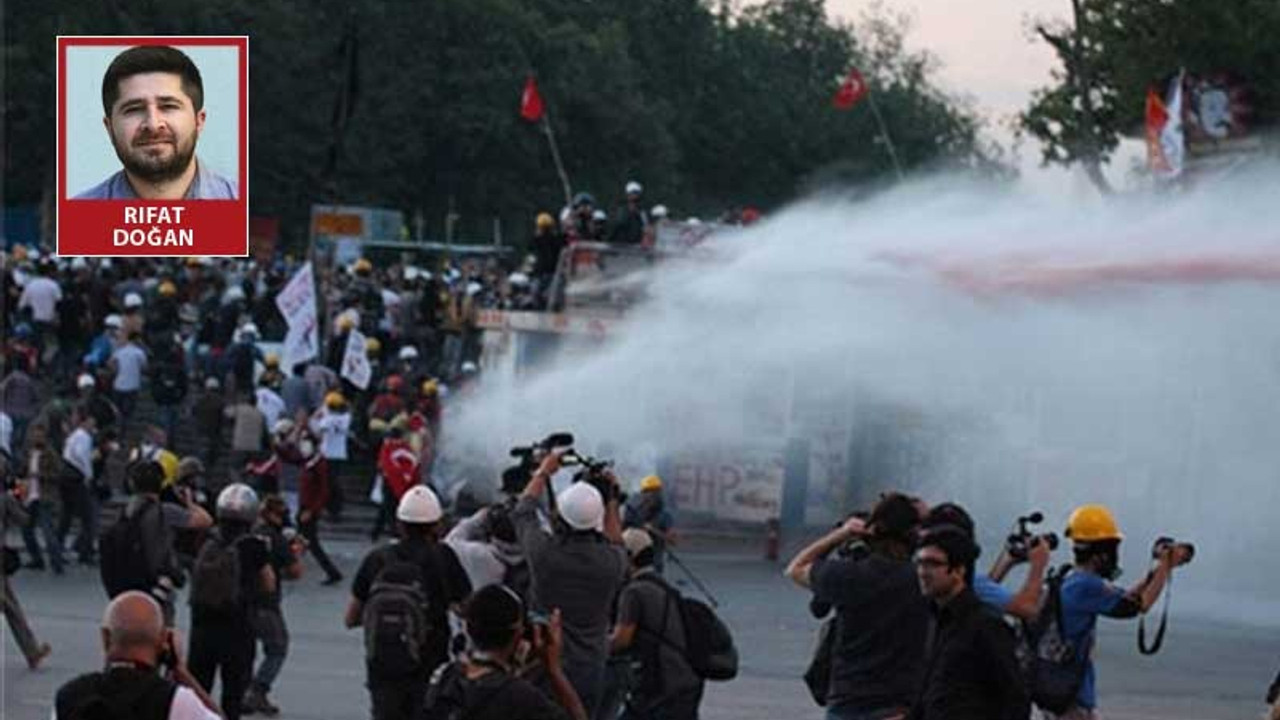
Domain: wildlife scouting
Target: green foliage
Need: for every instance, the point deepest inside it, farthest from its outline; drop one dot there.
(707, 107)
(1132, 45)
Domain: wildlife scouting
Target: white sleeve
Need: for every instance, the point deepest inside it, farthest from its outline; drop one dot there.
(186, 706)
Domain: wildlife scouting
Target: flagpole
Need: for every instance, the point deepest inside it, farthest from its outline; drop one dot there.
(884, 133)
(555, 155)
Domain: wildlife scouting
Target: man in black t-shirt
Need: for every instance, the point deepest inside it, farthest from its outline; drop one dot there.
(285, 552)
(420, 570)
(487, 684)
(882, 618)
(231, 570)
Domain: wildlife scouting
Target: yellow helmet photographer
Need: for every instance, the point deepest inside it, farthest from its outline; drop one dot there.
(1092, 523)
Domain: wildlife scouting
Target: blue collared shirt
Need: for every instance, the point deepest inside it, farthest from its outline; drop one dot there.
(206, 185)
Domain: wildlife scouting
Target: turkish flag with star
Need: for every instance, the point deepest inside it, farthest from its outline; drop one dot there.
(852, 90)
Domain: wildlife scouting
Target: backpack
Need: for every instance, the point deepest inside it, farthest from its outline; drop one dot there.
(116, 694)
(216, 585)
(123, 562)
(817, 677)
(1052, 666)
(397, 619)
(450, 695)
(708, 644)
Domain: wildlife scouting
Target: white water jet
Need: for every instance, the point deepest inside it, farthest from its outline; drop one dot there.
(1003, 351)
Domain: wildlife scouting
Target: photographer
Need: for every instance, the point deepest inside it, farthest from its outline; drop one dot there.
(881, 618)
(1025, 603)
(578, 569)
(145, 677)
(1087, 591)
(487, 683)
(285, 550)
(487, 546)
(648, 512)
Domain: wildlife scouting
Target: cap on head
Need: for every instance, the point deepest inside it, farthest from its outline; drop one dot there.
(334, 400)
(582, 507)
(167, 289)
(190, 467)
(212, 383)
(346, 322)
(363, 265)
(133, 300)
(283, 426)
(419, 506)
(650, 483)
(272, 360)
(408, 352)
(545, 221)
(659, 212)
(372, 345)
(85, 381)
(599, 215)
(636, 541)
(634, 188)
(430, 387)
(112, 321)
(238, 501)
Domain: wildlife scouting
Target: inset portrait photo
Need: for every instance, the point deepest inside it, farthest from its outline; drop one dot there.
(157, 123)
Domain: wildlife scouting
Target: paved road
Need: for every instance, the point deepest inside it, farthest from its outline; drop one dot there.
(1207, 671)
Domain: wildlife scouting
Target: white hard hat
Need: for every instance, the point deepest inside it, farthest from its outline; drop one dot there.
(419, 506)
(659, 211)
(518, 279)
(634, 188)
(238, 501)
(112, 321)
(582, 507)
(133, 300)
(233, 293)
(248, 330)
(599, 215)
(408, 352)
(284, 426)
(694, 221)
(85, 381)
(474, 287)
(410, 272)
(79, 263)
(636, 541)
(469, 367)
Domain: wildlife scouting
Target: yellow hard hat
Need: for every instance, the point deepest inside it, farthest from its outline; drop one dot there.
(363, 265)
(372, 345)
(652, 482)
(346, 322)
(430, 387)
(545, 221)
(334, 400)
(167, 288)
(1092, 523)
(272, 359)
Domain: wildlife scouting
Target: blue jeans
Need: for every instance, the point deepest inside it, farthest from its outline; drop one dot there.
(268, 625)
(42, 517)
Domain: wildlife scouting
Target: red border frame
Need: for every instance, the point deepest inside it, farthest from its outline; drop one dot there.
(240, 42)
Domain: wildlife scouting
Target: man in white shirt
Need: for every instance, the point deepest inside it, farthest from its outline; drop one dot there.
(145, 671)
(270, 404)
(41, 294)
(77, 499)
(129, 361)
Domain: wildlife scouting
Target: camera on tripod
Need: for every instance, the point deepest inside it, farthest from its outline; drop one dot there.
(1163, 543)
(1022, 539)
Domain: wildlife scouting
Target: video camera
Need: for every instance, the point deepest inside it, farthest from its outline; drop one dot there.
(594, 472)
(1021, 540)
(516, 477)
(1163, 543)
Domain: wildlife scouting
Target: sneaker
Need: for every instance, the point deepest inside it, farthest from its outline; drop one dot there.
(268, 708)
(41, 654)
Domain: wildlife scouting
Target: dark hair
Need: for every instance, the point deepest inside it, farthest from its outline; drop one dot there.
(275, 504)
(498, 520)
(894, 517)
(151, 59)
(644, 558)
(491, 614)
(949, 513)
(146, 477)
(956, 543)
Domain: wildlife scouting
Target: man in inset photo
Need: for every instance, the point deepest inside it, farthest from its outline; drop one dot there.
(153, 100)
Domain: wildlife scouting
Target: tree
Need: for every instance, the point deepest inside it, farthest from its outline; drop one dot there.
(1115, 50)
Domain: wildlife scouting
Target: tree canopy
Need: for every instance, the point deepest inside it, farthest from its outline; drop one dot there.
(708, 106)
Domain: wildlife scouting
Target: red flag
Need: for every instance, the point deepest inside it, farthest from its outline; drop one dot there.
(853, 89)
(531, 102)
(1157, 116)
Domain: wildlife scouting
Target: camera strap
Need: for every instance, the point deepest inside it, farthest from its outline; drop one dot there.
(1158, 640)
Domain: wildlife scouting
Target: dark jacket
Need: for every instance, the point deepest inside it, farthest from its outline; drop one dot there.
(971, 673)
(629, 227)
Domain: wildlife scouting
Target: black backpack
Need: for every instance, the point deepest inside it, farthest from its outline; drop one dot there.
(216, 585)
(708, 644)
(116, 694)
(1052, 666)
(451, 696)
(398, 618)
(123, 564)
